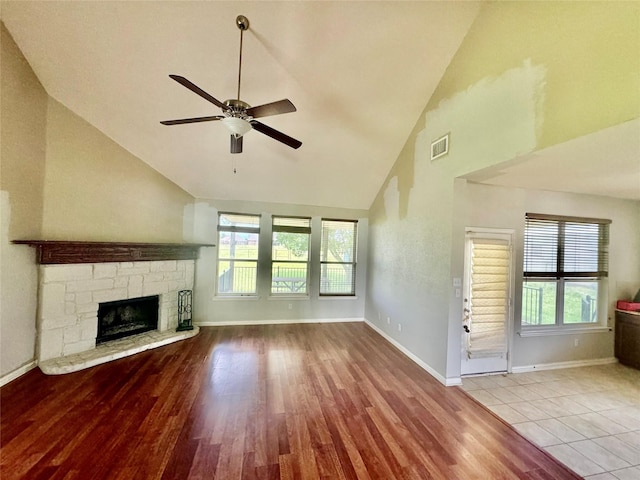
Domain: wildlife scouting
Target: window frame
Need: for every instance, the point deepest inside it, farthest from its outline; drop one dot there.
(238, 229)
(291, 229)
(352, 263)
(562, 275)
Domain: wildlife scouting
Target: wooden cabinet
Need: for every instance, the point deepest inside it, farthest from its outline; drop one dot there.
(627, 342)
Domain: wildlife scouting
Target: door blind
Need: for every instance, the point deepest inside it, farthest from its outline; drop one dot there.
(489, 297)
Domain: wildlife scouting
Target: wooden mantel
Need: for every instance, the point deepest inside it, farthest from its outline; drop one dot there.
(65, 252)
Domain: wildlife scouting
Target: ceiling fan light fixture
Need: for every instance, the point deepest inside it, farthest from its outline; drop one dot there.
(237, 126)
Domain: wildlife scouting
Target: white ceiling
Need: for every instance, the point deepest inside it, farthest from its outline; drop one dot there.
(359, 73)
(603, 163)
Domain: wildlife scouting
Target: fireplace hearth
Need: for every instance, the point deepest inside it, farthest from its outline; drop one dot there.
(127, 317)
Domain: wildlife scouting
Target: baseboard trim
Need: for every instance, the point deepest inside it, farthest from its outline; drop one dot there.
(277, 322)
(448, 382)
(18, 372)
(569, 364)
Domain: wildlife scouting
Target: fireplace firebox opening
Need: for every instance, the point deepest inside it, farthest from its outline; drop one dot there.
(127, 317)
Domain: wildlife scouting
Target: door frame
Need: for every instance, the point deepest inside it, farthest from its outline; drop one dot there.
(498, 233)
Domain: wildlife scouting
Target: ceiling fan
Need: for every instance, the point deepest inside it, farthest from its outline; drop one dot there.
(239, 117)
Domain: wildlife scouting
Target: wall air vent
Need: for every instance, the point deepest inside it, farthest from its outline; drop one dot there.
(440, 147)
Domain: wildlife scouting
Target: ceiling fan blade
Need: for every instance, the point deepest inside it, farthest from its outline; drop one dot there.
(192, 120)
(196, 89)
(236, 144)
(274, 108)
(275, 134)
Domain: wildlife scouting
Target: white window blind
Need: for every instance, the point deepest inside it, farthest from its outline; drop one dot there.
(556, 247)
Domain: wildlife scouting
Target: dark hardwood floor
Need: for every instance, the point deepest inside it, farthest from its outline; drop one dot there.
(317, 401)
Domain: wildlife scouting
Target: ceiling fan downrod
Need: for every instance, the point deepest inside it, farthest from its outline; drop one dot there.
(242, 23)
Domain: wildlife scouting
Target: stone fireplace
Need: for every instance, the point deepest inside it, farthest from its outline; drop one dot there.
(76, 278)
(70, 296)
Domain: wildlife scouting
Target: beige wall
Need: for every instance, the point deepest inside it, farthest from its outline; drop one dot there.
(22, 151)
(528, 75)
(589, 53)
(62, 179)
(504, 208)
(96, 190)
(210, 309)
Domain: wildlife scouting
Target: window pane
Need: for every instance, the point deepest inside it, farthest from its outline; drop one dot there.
(237, 245)
(338, 241)
(539, 303)
(337, 279)
(289, 277)
(581, 302)
(581, 246)
(237, 253)
(290, 246)
(237, 277)
(290, 255)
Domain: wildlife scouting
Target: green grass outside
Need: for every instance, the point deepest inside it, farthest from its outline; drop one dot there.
(575, 292)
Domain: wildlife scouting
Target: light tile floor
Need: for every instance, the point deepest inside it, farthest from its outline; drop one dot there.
(587, 417)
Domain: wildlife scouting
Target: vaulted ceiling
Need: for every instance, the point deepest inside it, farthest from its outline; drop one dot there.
(359, 73)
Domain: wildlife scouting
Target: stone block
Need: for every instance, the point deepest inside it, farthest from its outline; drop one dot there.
(110, 295)
(137, 268)
(135, 291)
(71, 334)
(121, 282)
(82, 298)
(58, 321)
(67, 273)
(176, 286)
(87, 308)
(70, 308)
(50, 344)
(52, 299)
(173, 275)
(77, 347)
(90, 285)
(166, 266)
(153, 277)
(105, 270)
(89, 329)
(154, 288)
(88, 316)
(70, 297)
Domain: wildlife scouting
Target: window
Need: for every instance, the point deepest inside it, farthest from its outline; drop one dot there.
(565, 267)
(290, 255)
(237, 253)
(338, 257)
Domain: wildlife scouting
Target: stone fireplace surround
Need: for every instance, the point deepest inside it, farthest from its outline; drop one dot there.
(69, 294)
